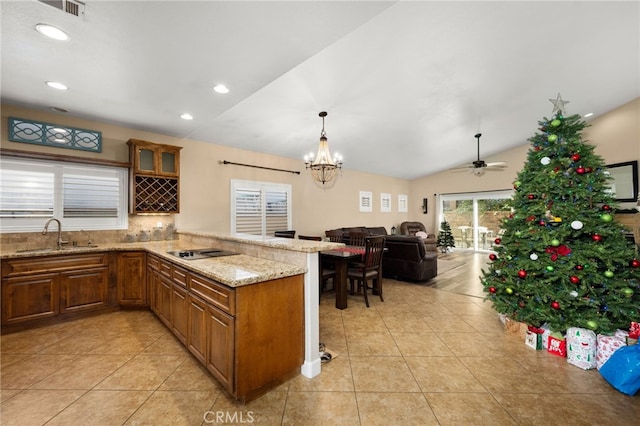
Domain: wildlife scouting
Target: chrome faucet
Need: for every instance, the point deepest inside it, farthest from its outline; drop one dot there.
(46, 228)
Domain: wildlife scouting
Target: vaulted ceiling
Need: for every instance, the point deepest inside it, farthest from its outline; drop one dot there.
(406, 84)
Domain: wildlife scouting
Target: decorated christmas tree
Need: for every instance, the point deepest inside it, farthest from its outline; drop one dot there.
(562, 258)
(445, 237)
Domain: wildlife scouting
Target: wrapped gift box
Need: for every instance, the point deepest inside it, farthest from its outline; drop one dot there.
(557, 345)
(607, 345)
(533, 338)
(581, 347)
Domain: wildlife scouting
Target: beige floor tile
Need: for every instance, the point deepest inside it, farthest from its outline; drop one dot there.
(571, 409)
(31, 341)
(469, 409)
(36, 407)
(166, 345)
(266, 410)
(80, 343)
(8, 359)
(8, 393)
(191, 375)
(143, 372)
(335, 376)
(31, 369)
(410, 322)
(174, 408)
(447, 324)
(443, 374)
(101, 408)
(318, 408)
(433, 309)
(382, 374)
(371, 344)
(504, 374)
(405, 409)
(126, 343)
(83, 372)
(470, 344)
(420, 344)
(367, 323)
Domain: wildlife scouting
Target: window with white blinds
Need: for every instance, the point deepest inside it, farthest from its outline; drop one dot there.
(260, 208)
(81, 196)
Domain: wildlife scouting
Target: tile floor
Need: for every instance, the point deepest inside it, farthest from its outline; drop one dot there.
(423, 357)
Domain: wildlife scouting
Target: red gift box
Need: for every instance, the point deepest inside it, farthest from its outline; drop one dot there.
(557, 346)
(634, 330)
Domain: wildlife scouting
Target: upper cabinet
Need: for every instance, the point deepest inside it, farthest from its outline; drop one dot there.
(155, 177)
(150, 158)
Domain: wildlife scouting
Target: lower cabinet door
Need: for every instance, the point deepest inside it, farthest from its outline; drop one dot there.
(220, 346)
(163, 300)
(30, 298)
(179, 312)
(83, 290)
(196, 332)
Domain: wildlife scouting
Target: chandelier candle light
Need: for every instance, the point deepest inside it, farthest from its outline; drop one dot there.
(324, 167)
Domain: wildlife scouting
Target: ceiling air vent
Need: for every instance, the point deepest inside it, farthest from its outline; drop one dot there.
(72, 7)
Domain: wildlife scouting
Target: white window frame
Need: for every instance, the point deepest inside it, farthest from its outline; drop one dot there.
(59, 168)
(263, 188)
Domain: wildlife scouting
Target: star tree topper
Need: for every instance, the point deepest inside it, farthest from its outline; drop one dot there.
(558, 104)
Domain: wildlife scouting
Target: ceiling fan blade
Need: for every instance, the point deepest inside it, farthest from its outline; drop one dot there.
(497, 164)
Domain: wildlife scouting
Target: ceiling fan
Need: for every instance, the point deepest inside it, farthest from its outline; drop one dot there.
(479, 167)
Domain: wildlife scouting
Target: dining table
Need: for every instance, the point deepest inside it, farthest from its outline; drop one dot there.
(341, 257)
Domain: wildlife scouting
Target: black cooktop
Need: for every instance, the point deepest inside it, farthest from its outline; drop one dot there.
(195, 254)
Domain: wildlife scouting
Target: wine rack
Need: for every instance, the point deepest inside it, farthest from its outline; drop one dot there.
(153, 194)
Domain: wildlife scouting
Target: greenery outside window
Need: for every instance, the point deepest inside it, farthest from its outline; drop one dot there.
(88, 197)
(260, 208)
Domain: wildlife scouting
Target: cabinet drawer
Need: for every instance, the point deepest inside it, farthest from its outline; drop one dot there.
(165, 268)
(214, 293)
(153, 262)
(179, 276)
(18, 267)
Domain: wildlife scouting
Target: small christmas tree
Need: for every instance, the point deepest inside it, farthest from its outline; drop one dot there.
(445, 237)
(562, 258)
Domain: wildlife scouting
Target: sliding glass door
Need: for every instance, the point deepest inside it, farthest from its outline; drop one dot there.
(474, 217)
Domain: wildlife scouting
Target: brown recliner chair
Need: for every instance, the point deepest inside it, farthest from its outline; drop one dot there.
(410, 228)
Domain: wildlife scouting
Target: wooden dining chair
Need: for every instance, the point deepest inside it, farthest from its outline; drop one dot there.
(309, 238)
(335, 236)
(370, 269)
(284, 234)
(357, 238)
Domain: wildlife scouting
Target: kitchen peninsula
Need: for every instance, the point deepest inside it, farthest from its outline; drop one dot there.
(250, 318)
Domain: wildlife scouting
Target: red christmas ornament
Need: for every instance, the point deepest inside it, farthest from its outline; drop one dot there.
(531, 218)
(554, 257)
(522, 273)
(492, 289)
(498, 241)
(493, 256)
(522, 304)
(635, 263)
(579, 267)
(555, 305)
(606, 207)
(575, 157)
(596, 237)
(537, 147)
(580, 170)
(531, 196)
(589, 170)
(542, 223)
(574, 279)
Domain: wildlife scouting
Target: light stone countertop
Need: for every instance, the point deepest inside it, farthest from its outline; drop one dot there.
(291, 244)
(233, 271)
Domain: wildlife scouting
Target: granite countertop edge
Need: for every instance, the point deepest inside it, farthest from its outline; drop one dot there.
(233, 271)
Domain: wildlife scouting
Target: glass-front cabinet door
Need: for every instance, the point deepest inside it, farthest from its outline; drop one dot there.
(146, 160)
(155, 159)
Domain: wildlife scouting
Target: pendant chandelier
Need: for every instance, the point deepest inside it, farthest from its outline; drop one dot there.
(323, 167)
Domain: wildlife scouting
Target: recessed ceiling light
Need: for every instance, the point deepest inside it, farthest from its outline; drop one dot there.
(588, 115)
(52, 32)
(186, 116)
(220, 88)
(56, 85)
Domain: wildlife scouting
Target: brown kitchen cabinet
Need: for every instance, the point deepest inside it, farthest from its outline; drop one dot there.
(250, 338)
(55, 287)
(155, 177)
(132, 279)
